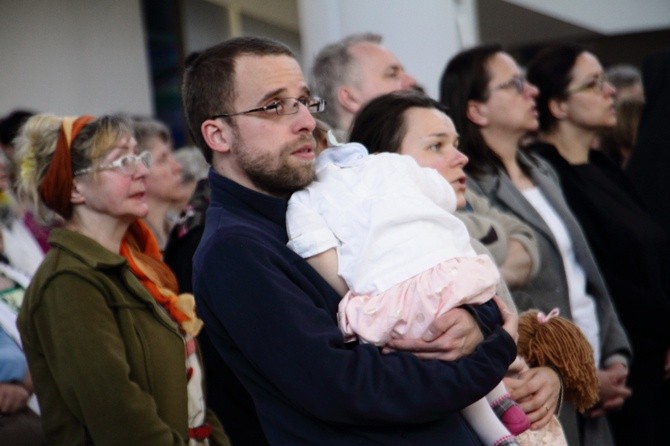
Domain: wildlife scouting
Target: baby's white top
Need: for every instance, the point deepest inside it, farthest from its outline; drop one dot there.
(388, 218)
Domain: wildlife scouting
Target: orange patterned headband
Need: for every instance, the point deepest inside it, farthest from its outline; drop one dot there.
(56, 187)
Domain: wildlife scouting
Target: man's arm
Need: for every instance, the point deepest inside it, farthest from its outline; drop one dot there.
(288, 334)
(454, 334)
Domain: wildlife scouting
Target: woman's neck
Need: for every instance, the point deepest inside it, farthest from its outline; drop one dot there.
(504, 143)
(103, 229)
(506, 146)
(573, 143)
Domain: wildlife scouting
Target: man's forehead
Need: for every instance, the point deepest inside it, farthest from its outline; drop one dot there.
(260, 74)
(364, 51)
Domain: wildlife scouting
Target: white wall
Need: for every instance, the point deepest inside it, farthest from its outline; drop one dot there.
(89, 56)
(606, 16)
(73, 57)
(281, 13)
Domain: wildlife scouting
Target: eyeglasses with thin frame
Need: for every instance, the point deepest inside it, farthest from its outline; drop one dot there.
(283, 106)
(127, 164)
(517, 82)
(597, 84)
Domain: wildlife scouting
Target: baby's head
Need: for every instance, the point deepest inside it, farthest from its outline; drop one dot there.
(324, 136)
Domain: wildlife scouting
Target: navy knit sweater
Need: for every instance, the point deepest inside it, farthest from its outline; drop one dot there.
(272, 319)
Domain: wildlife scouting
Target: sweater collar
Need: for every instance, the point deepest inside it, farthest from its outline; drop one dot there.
(230, 194)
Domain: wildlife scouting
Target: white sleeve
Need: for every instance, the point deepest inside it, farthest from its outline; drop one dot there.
(433, 185)
(308, 232)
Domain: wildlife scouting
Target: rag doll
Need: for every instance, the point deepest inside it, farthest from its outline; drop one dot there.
(553, 341)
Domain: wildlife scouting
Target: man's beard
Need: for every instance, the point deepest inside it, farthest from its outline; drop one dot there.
(272, 173)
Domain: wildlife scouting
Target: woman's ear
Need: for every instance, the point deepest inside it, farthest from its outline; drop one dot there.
(558, 108)
(477, 112)
(76, 197)
(217, 134)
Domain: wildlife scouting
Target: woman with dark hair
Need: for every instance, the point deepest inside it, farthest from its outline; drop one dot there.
(575, 103)
(494, 108)
(413, 124)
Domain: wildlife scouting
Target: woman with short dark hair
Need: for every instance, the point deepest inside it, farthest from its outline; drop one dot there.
(575, 103)
(494, 109)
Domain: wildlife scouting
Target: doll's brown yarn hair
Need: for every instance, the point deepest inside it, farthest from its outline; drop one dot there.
(556, 342)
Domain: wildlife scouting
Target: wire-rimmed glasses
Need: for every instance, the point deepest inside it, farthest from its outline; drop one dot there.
(127, 164)
(517, 82)
(597, 84)
(283, 106)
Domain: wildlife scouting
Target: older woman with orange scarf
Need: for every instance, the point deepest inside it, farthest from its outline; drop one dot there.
(109, 343)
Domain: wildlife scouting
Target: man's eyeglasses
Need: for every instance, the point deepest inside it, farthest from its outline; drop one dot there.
(127, 164)
(517, 82)
(283, 106)
(596, 84)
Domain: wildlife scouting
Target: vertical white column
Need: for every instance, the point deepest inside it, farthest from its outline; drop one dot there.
(424, 34)
(235, 20)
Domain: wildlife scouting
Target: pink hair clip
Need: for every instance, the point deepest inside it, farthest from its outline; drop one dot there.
(543, 318)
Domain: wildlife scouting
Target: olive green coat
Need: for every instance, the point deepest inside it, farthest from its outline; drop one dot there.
(106, 360)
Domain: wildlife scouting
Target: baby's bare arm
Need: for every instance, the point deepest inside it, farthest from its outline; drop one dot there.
(325, 264)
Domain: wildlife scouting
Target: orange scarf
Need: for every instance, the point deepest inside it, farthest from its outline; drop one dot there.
(141, 250)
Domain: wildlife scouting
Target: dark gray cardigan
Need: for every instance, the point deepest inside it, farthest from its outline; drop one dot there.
(549, 288)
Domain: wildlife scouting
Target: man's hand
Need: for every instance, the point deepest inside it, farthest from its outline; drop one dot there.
(613, 391)
(537, 391)
(13, 397)
(449, 337)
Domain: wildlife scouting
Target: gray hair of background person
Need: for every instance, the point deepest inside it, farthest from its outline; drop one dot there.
(146, 128)
(623, 75)
(208, 88)
(334, 66)
(194, 167)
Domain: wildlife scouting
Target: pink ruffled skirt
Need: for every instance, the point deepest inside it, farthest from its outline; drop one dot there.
(407, 309)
